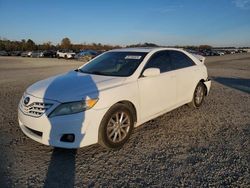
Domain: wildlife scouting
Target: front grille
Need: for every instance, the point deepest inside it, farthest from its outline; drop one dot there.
(35, 109)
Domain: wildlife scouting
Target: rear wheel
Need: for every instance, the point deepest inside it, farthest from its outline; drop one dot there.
(116, 127)
(199, 95)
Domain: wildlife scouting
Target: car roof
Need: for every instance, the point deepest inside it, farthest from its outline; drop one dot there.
(197, 59)
(141, 49)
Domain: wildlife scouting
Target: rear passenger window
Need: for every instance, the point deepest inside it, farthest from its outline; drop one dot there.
(160, 60)
(180, 60)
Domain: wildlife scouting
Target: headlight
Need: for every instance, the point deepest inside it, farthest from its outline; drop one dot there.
(73, 107)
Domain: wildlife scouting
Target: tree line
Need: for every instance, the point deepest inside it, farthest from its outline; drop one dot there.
(146, 44)
(30, 45)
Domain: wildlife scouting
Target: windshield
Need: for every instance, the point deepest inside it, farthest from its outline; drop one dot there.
(114, 64)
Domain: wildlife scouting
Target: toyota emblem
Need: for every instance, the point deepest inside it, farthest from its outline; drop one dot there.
(26, 100)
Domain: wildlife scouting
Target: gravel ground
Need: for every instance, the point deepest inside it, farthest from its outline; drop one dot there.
(186, 147)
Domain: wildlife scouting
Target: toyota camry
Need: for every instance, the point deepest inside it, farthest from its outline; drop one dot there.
(103, 100)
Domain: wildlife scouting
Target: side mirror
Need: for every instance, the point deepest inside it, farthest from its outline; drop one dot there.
(151, 72)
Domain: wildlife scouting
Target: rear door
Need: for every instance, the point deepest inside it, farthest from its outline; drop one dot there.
(186, 75)
(157, 93)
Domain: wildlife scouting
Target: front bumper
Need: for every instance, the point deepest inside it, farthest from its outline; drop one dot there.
(208, 85)
(49, 131)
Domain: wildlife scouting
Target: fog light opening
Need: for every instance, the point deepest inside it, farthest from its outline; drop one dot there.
(68, 138)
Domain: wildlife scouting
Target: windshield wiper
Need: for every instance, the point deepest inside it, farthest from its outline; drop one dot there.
(79, 70)
(89, 72)
(98, 73)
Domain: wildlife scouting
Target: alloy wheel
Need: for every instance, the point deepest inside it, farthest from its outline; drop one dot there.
(118, 127)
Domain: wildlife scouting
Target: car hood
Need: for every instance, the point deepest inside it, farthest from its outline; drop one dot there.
(73, 86)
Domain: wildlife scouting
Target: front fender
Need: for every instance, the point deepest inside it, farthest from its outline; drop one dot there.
(125, 92)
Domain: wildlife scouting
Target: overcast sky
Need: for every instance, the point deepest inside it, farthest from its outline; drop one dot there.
(165, 22)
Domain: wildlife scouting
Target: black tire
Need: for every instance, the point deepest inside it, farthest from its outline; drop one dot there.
(198, 96)
(108, 126)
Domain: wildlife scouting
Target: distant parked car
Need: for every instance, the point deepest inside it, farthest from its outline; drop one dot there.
(227, 52)
(35, 54)
(213, 53)
(86, 55)
(15, 53)
(66, 54)
(48, 53)
(29, 54)
(204, 52)
(242, 51)
(220, 53)
(208, 53)
(191, 51)
(24, 54)
(3, 53)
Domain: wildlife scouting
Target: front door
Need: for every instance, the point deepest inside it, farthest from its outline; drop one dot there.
(157, 93)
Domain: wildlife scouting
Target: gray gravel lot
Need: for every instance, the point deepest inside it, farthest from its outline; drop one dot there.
(185, 147)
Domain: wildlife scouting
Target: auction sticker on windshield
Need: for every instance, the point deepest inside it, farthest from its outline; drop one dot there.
(133, 57)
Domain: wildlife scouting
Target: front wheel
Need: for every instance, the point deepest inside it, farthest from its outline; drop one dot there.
(116, 127)
(199, 95)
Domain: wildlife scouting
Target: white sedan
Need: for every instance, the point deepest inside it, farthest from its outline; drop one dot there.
(102, 101)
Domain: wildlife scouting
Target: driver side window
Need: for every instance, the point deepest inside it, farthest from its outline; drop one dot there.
(160, 60)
